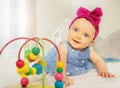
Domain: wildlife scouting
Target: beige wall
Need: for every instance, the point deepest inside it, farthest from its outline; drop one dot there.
(42, 17)
(111, 14)
(51, 13)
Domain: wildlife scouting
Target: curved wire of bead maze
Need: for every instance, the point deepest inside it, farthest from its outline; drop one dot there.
(23, 68)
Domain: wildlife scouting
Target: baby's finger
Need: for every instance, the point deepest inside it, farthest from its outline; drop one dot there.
(106, 75)
(111, 75)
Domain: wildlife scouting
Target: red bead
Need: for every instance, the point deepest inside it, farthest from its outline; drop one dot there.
(20, 63)
(24, 82)
(59, 76)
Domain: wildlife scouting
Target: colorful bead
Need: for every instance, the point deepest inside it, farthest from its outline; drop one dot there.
(59, 76)
(44, 63)
(24, 82)
(59, 84)
(34, 70)
(20, 63)
(29, 72)
(24, 69)
(23, 75)
(38, 67)
(36, 50)
(33, 57)
(59, 70)
(60, 65)
(26, 54)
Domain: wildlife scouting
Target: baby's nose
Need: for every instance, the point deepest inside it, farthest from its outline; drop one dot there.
(79, 35)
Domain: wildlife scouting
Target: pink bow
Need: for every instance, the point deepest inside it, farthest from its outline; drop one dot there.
(92, 16)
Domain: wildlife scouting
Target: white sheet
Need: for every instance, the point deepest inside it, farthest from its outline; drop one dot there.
(9, 77)
(90, 79)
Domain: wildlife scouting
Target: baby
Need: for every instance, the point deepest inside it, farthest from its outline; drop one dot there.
(76, 53)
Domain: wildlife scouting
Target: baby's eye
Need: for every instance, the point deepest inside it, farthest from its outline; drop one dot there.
(86, 35)
(75, 29)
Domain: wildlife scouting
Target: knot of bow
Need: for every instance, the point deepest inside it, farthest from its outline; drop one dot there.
(92, 16)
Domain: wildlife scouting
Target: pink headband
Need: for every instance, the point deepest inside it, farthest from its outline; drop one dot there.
(92, 16)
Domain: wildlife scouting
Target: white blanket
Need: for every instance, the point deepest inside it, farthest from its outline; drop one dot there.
(9, 77)
(90, 79)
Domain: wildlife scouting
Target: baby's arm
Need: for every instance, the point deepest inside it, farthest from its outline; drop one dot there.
(63, 54)
(99, 64)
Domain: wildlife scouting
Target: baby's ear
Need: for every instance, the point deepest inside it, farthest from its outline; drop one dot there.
(92, 41)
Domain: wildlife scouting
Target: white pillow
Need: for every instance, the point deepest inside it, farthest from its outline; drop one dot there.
(110, 46)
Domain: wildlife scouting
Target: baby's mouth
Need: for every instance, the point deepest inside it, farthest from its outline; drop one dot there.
(76, 41)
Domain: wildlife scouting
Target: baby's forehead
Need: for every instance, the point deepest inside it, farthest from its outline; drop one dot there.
(84, 23)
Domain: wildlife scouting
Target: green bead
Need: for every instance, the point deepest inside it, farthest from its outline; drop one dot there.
(36, 50)
(59, 70)
(30, 71)
(26, 54)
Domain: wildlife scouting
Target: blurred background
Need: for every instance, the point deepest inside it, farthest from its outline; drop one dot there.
(30, 18)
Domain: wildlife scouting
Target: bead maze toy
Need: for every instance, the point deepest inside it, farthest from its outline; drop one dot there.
(36, 55)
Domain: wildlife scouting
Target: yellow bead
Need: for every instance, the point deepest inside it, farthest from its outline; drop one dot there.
(60, 64)
(44, 63)
(33, 57)
(34, 70)
(24, 69)
(23, 75)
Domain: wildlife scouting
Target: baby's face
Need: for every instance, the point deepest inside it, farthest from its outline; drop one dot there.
(81, 34)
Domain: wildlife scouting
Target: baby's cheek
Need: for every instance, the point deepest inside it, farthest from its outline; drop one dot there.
(85, 44)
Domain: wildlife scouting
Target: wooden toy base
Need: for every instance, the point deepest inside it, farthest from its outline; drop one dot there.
(34, 86)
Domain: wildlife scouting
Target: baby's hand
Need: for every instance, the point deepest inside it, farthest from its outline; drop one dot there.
(68, 81)
(106, 75)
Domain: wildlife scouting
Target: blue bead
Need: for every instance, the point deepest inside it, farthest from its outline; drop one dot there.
(59, 84)
(38, 67)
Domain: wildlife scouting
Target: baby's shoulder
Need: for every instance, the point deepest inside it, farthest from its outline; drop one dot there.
(91, 49)
(63, 48)
(62, 45)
